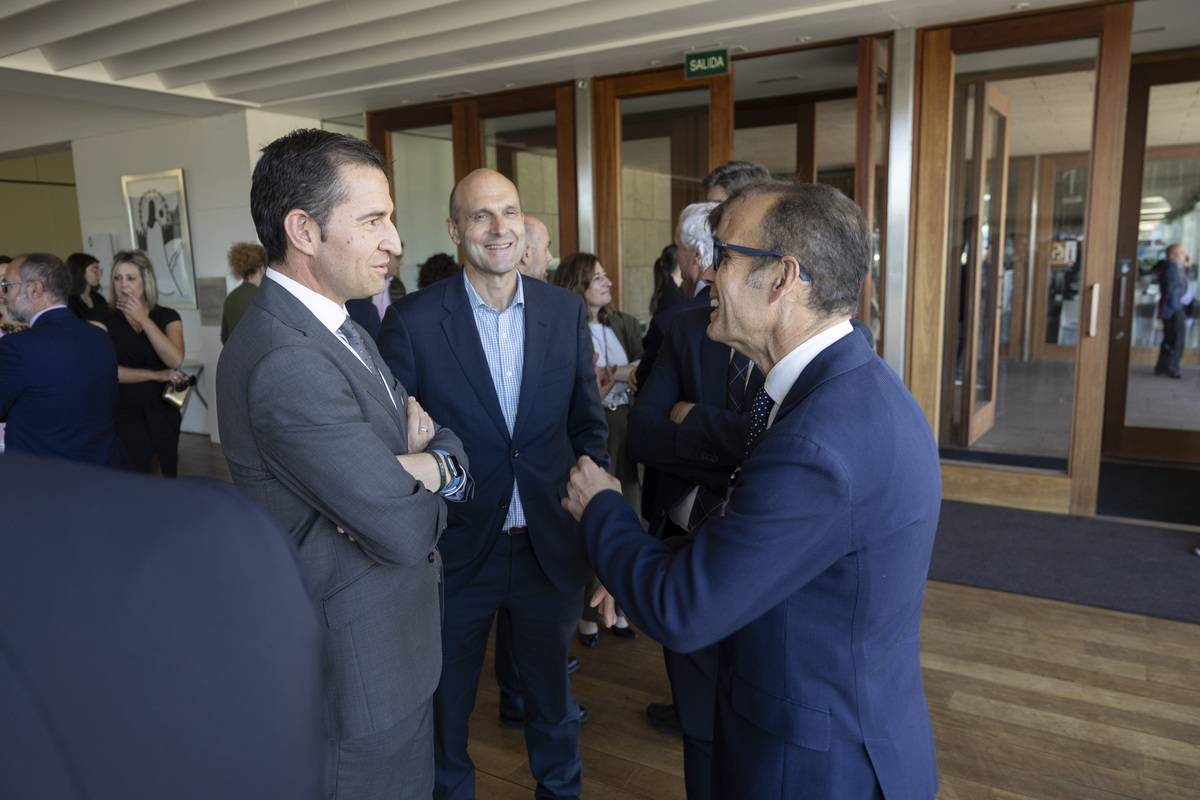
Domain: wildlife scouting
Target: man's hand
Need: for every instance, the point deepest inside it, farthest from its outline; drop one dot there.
(586, 480)
(420, 426)
(607, 605)
(680, 410)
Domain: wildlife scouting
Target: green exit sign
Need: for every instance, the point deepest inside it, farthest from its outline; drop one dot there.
(704, 65)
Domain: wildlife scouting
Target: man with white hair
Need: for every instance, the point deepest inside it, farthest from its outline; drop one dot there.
(535, 261)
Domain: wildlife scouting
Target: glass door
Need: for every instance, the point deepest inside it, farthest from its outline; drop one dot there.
(1150, 415)
(977, 303)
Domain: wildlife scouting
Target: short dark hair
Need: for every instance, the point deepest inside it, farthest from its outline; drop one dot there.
(732, 175)
(50, 271)
(77, 264)
(744, 192)
(437, 267)
(826, 232)
(301, 170)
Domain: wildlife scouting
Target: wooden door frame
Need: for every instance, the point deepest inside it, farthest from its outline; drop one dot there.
(1074, 492)
(1154, 444)
(606, 141)
(1023, 167)
(467, 118)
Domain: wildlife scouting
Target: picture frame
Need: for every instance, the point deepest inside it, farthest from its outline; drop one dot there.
(158, 225)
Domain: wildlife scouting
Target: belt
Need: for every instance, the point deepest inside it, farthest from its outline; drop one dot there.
(517, 531)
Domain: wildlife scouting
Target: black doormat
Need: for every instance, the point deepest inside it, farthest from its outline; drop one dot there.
(1137, 491)
(1093, 562)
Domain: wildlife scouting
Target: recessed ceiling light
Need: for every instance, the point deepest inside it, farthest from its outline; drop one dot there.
(655, 62)
(1159, 29)
(803, 39)
(1021, 6)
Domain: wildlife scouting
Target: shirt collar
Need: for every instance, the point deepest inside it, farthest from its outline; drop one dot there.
(43, 311)
(785, 374)
(477, 301)
(327, 312)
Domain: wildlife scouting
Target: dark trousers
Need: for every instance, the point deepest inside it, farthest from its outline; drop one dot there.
(396, 764)
(693, 678)
(507, 679)
(542, 620)
(1174, 338)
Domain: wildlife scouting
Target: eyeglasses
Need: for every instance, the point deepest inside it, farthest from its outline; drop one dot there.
(749, 251)
(5, 284)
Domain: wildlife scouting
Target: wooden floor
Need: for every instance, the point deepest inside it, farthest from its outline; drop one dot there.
(1030, 698)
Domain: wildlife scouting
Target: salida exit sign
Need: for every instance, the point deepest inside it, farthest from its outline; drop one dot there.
(704, 65)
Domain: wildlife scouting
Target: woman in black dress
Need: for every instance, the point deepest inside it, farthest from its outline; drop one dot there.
(148, 339)
(86, 301)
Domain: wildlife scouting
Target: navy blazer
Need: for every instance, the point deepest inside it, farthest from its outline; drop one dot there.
(158, 640)
(58, 391)
(431, 343)
(710, 442)
(812, 583)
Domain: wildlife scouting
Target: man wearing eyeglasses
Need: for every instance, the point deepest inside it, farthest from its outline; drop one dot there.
(812, 580)
(58, 378)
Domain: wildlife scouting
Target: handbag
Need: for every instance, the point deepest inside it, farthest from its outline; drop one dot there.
(177, 395)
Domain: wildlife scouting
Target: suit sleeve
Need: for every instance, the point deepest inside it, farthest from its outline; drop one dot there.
(395, 347)
(734, 568)
(656, 441)
(313, 436)
(586, 425)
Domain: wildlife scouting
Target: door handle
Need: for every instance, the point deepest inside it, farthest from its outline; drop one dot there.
(1121, 297)
(1095, 315)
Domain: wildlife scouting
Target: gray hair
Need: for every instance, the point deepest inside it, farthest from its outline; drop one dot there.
(694, 233)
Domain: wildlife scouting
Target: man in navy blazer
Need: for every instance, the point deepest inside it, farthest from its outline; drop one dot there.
(58, 378)
(508, 364)
(812, 580)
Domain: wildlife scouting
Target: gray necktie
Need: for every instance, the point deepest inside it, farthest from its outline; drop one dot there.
(355, 341)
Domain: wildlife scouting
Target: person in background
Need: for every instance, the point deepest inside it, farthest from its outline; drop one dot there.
(537, 257)
(1176, 294)
(721, 182)
(616, 344)
(85, 301)
(667, 281)
(58, 378)
(437, 267)
(247, 261)
(148, 339)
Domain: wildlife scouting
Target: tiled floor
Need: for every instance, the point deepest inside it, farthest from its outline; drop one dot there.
(1154, 401)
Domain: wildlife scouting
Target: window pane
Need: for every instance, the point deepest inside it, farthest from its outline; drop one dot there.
(423, 163)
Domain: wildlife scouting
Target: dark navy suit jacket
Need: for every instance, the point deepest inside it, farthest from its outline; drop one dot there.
(710, 442)
(157, 640)
(58, 390)
(430, 342)
(812, 583)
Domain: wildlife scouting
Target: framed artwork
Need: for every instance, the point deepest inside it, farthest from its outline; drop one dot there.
(158, 225)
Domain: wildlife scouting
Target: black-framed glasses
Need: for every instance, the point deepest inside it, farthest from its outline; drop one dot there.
(5, 284)
(749, 251)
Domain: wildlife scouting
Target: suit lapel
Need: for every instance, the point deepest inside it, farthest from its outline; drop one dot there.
(845, 354)
(284, 306)
(463, 336)
(537, 335)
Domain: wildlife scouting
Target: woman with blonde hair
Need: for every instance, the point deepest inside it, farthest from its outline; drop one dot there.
(148, 339)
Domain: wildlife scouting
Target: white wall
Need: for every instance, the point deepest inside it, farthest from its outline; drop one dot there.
(217, 156)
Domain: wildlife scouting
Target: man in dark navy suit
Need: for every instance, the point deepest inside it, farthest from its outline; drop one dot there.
(812, 576)
(157, 640)
(58, 378)
(508, 363)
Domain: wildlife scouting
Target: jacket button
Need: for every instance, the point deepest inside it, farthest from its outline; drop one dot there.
(516, 453)
(504, 504)
(432, 558)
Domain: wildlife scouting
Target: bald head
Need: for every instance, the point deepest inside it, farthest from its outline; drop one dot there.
(486, 221)
(537, 258)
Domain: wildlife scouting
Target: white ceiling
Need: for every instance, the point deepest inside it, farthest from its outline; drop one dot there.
(108, 65)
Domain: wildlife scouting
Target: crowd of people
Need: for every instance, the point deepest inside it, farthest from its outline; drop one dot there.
(746, 481)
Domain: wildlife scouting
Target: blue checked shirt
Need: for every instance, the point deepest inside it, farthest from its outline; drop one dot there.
(502, 334)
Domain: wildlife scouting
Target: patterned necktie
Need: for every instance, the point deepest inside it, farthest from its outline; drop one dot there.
(735, 382)
(758, 416)
(355, 341)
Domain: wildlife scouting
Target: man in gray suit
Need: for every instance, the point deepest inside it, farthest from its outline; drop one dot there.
(315, 427)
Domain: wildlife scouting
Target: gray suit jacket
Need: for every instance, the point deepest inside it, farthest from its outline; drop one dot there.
(310, 433)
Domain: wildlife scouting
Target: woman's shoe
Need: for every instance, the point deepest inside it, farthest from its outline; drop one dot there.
(625, 633)
(589, 639)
